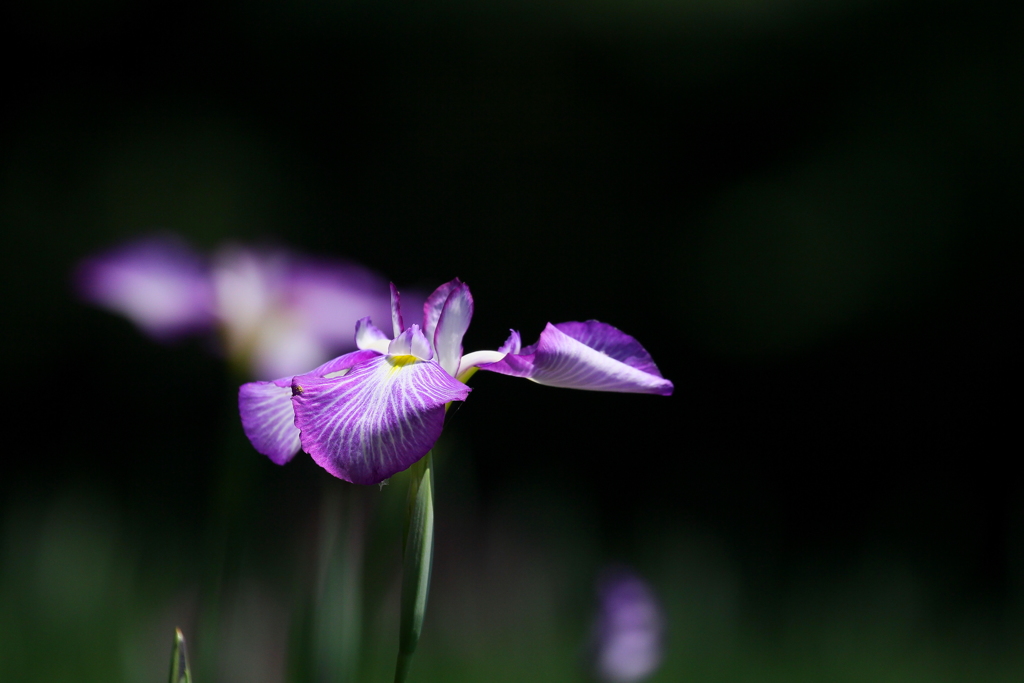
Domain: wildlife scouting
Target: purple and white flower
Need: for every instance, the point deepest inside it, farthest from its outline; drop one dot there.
(369, 414)
(278, 313)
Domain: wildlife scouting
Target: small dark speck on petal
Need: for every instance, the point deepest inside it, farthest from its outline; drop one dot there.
(296, 390)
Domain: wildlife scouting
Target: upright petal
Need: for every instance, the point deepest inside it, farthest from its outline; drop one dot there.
(396, 312)
(411, 343)
(376, 420)
(268, 419)
(591, 355)
(368, 336)
(433, 306)
(158, 283)
(451, 328)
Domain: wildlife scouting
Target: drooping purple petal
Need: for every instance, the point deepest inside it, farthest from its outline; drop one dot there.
(433, 306)
(376, 420)
(411, 343)
(368, 336)
(611, 342)
(158, 283)
(268, 419)
(629, 628)
(451, 328)
(396, 312)
(591, 355)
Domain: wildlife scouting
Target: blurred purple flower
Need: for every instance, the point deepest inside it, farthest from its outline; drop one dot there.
(158, 283)
(629, 631)
(277, 312)
(369, 414)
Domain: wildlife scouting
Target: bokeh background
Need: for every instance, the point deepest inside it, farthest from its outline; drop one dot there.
(808, 211)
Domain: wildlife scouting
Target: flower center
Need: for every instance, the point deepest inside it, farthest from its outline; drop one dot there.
(401, 361)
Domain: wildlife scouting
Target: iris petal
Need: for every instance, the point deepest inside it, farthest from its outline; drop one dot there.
(451, 328)
(396, 312)
(411, 343)
(513, 344)
(591, 355)
(433, 306)
(268, 419)
(376, 420)
(369, 336)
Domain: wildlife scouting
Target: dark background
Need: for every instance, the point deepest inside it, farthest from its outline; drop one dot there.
(809, 214)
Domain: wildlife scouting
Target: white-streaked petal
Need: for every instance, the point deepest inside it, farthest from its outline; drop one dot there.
(477, 358)
(411, 343)
(268, 419)
(368, 336)
(376, 420)
(451, 328)
(591, 355)
(433, 305)
(338, 366)
(563, 361)
(396, 312)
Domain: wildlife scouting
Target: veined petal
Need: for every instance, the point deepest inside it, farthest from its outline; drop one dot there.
(342, 363)
(433, 305)
(610, 341)
(396, 312)
(376, 420)
(591, 355)
(451, 328)
(268, 419)
(368, 336)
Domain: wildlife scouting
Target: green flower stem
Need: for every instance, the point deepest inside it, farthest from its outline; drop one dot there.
(418, 557)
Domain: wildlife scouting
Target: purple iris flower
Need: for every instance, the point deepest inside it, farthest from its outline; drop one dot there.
(277, 312)
(368, 414)
(629, 629)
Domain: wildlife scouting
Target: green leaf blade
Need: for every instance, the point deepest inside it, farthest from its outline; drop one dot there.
(180, 672)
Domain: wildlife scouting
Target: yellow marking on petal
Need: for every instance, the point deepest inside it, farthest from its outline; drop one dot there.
(398, 362)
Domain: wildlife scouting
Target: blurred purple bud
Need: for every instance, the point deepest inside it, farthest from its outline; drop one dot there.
(629, 628)
(286, 313)
(158, 283)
